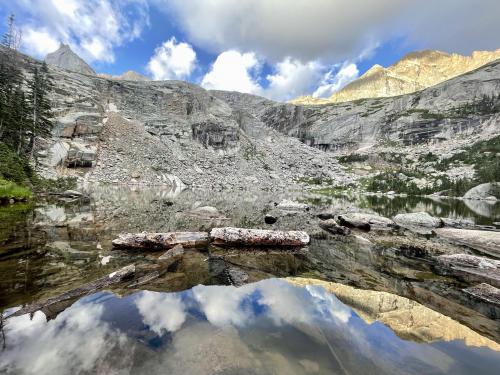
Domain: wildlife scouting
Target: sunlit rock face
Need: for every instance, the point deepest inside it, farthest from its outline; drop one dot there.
(65, 58)
(414, 72)
(407, 318)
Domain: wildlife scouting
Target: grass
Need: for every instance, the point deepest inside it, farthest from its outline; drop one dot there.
(353, 158)
(11, 190)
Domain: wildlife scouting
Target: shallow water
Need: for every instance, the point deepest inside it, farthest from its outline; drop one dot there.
(53, 246)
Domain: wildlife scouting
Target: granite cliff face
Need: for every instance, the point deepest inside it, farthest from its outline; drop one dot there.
(65, 58)
(415, 71)
(129, 75)
(172, 132)
(465, 106)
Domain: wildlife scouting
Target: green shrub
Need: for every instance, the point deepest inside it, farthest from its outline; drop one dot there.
(10, 190)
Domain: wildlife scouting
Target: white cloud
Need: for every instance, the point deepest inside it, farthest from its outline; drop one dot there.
(40, 42)
(152, 305)
(333, 82)
(172, 60)
(233, 71)
(93, 28)
(334, 30)
(276, 29)
(293, 78)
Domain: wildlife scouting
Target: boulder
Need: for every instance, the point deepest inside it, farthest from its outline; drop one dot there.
(258, 237)
(289, 205)
(482, 240)
(157, 241)
(326, 215)
(331, 226)
(270, 219)
(365, 221)
(177, 250)
(488, 191)
(417, 219)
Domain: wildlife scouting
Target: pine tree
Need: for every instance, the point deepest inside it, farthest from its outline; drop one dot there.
(41, 124)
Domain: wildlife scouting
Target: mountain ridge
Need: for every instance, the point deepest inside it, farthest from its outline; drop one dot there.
(413, 72)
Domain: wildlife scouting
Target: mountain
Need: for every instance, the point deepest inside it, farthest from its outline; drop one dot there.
(65, 58)
(414, 72)
(129, 75)
(151, 132)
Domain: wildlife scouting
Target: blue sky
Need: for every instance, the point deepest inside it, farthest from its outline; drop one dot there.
(280, 49)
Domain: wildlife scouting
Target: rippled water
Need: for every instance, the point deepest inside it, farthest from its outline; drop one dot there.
(175, 324)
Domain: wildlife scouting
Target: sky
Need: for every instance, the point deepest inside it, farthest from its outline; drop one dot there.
(279, 49)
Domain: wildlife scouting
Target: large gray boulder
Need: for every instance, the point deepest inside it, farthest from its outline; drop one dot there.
(65, 58)
(417, 219)
(365, 221)
(488, 191)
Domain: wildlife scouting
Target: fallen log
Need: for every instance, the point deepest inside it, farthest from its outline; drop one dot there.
(258, 237)
(67, 298)
(159, 241)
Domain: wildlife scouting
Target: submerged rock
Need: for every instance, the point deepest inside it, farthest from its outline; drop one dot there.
(331, 226)
(156, 241)
(482, 240)
(258, 237)
(365, 221)
(177, 250)
(289, 205)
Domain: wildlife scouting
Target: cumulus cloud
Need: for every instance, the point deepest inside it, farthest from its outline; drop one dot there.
(93, 28)
(152, 305)
(278, 29)
(233, 71)
(334, 81)
(39, 42)
(293, 78)
(334, 30)
(172, 60)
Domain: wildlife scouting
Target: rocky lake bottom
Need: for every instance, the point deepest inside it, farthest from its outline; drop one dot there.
(372, 301)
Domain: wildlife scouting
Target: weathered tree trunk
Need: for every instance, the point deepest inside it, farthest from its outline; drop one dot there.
(92, 287)
(158, 241)
(258, 237)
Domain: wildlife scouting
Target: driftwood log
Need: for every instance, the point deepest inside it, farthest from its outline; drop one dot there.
(56, 304)
(159, 241)
(258, 237)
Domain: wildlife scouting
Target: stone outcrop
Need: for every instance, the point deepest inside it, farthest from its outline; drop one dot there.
(414, 72)
(470, 267)
(486, 293)
(487, 242)
(330, 225)
(65, 58)
(129, 75)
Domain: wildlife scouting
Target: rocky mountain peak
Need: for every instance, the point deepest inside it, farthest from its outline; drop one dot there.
(65, 58)
(415, 71)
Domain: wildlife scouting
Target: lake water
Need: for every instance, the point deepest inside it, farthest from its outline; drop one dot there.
(193, 320)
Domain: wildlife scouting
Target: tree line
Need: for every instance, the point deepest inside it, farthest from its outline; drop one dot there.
(25, 108)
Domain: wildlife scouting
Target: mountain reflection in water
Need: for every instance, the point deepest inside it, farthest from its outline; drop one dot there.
(271, 326)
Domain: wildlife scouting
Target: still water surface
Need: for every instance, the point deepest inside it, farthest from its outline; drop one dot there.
(191, 320)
